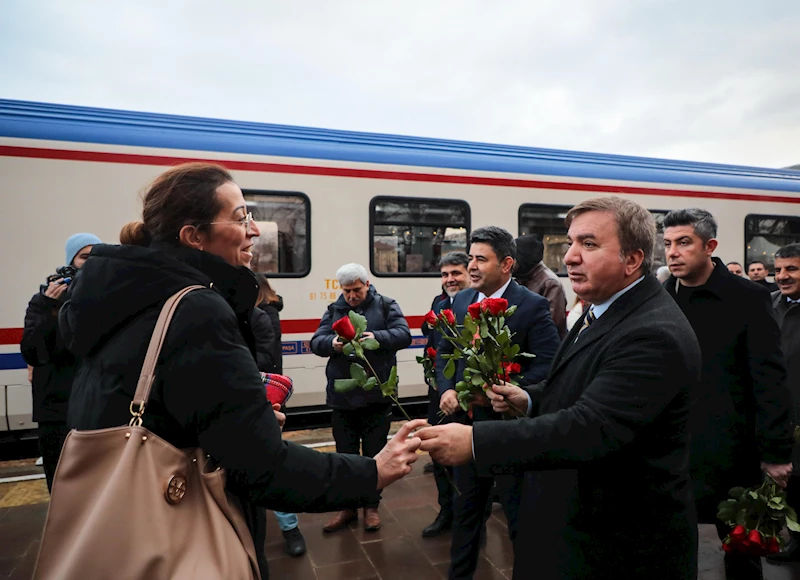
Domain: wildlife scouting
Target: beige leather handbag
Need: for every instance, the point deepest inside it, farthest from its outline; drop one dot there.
(128, 505)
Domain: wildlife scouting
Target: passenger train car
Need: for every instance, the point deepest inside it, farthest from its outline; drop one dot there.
(323, 198)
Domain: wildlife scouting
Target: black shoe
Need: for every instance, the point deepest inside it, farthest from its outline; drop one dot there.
(428, 467)
(295, 542)
(790, 553)
(442, 523)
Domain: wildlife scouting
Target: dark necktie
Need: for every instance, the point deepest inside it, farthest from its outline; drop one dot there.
(587, 322)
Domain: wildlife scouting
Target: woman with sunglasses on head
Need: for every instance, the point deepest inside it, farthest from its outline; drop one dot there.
(208, 393)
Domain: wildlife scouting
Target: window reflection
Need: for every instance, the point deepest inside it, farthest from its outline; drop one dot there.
(410, 235)
(283, 248)
(765, 234)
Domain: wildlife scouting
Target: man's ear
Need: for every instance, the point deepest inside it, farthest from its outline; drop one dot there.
(507, 264)
(633, 262)
(711, 245)
(191, 237)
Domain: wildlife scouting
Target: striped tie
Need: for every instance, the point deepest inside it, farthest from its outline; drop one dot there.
(587, 322)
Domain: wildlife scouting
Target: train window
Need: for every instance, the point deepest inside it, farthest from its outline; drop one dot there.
(765, 234)
(547, 221)
(659, 254)
(409, 235)
(284, 247)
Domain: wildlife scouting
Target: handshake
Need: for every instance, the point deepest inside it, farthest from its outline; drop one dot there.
(448, 444)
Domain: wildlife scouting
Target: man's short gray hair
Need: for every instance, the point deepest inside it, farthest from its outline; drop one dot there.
(351, 273)
(704, 224)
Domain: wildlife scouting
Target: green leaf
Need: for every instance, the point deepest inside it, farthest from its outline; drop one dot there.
(344, 385)
(791, 513)
(477, 380)
(515, 351)
(503, 338)
(450, 369)
(511, 310)
(792, 525)
(348, 349)
(359, 322)
(359, 350)
(752, 494)
(357, 373)
(736, 492)
(470, 327)
(462, 386)
(389, 388)
(370, 384)
(370, 344)
(464, 399)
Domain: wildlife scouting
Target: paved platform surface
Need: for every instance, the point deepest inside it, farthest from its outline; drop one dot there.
(395, 552)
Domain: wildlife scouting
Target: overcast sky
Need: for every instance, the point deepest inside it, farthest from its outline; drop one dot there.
(706, 80)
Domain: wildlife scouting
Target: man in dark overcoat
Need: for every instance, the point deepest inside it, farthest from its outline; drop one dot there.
(605, 446)
(786, 306)
(740, 420)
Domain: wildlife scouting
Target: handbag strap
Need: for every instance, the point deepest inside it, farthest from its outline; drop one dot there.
(147, 377)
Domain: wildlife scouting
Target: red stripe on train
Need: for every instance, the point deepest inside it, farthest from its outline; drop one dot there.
(299, 326)
(105, 157)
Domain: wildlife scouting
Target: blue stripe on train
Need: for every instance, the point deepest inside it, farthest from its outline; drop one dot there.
(14, 360)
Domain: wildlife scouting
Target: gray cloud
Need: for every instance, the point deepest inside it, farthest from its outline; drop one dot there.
(713, 81)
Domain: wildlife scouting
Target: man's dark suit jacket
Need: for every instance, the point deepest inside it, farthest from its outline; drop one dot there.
(607, 493)
(434, 337)
(532, 328)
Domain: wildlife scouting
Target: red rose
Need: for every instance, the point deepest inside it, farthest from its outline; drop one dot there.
(448, 315)
(754, 537)
(431, 352)
(773, 545)
(738, 533)
(727, 547)
(474, 310)
(514, 368)
(344, 328)
(494, 306)
(431, 319)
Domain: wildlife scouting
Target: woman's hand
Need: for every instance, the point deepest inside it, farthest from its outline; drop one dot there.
(276, 408)
(395, 459)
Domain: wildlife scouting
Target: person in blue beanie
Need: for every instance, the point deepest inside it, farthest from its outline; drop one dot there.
(42, 348)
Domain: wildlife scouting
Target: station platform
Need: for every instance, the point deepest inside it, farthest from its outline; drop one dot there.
(395, 552)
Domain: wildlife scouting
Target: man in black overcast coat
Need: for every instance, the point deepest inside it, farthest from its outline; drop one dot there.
(606, 446)
(740, 421)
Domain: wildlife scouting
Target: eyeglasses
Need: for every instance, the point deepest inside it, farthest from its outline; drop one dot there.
(246, 221)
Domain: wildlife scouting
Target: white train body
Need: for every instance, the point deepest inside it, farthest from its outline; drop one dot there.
(324, 198)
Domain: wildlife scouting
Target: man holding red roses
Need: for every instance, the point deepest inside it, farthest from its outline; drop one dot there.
(360, 419)
(491, 260)
(453, 267)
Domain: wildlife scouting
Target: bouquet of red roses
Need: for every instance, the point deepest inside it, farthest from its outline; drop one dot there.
(757, 515)
(350, 329)
(484, 342)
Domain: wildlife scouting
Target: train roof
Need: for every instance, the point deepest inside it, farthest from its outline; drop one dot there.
(33, 120)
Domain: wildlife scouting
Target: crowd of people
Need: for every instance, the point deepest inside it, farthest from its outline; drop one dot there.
(643, 404)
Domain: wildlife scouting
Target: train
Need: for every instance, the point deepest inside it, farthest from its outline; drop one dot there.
(323, 198)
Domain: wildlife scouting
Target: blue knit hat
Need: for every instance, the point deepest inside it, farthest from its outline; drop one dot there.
(76, 243)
